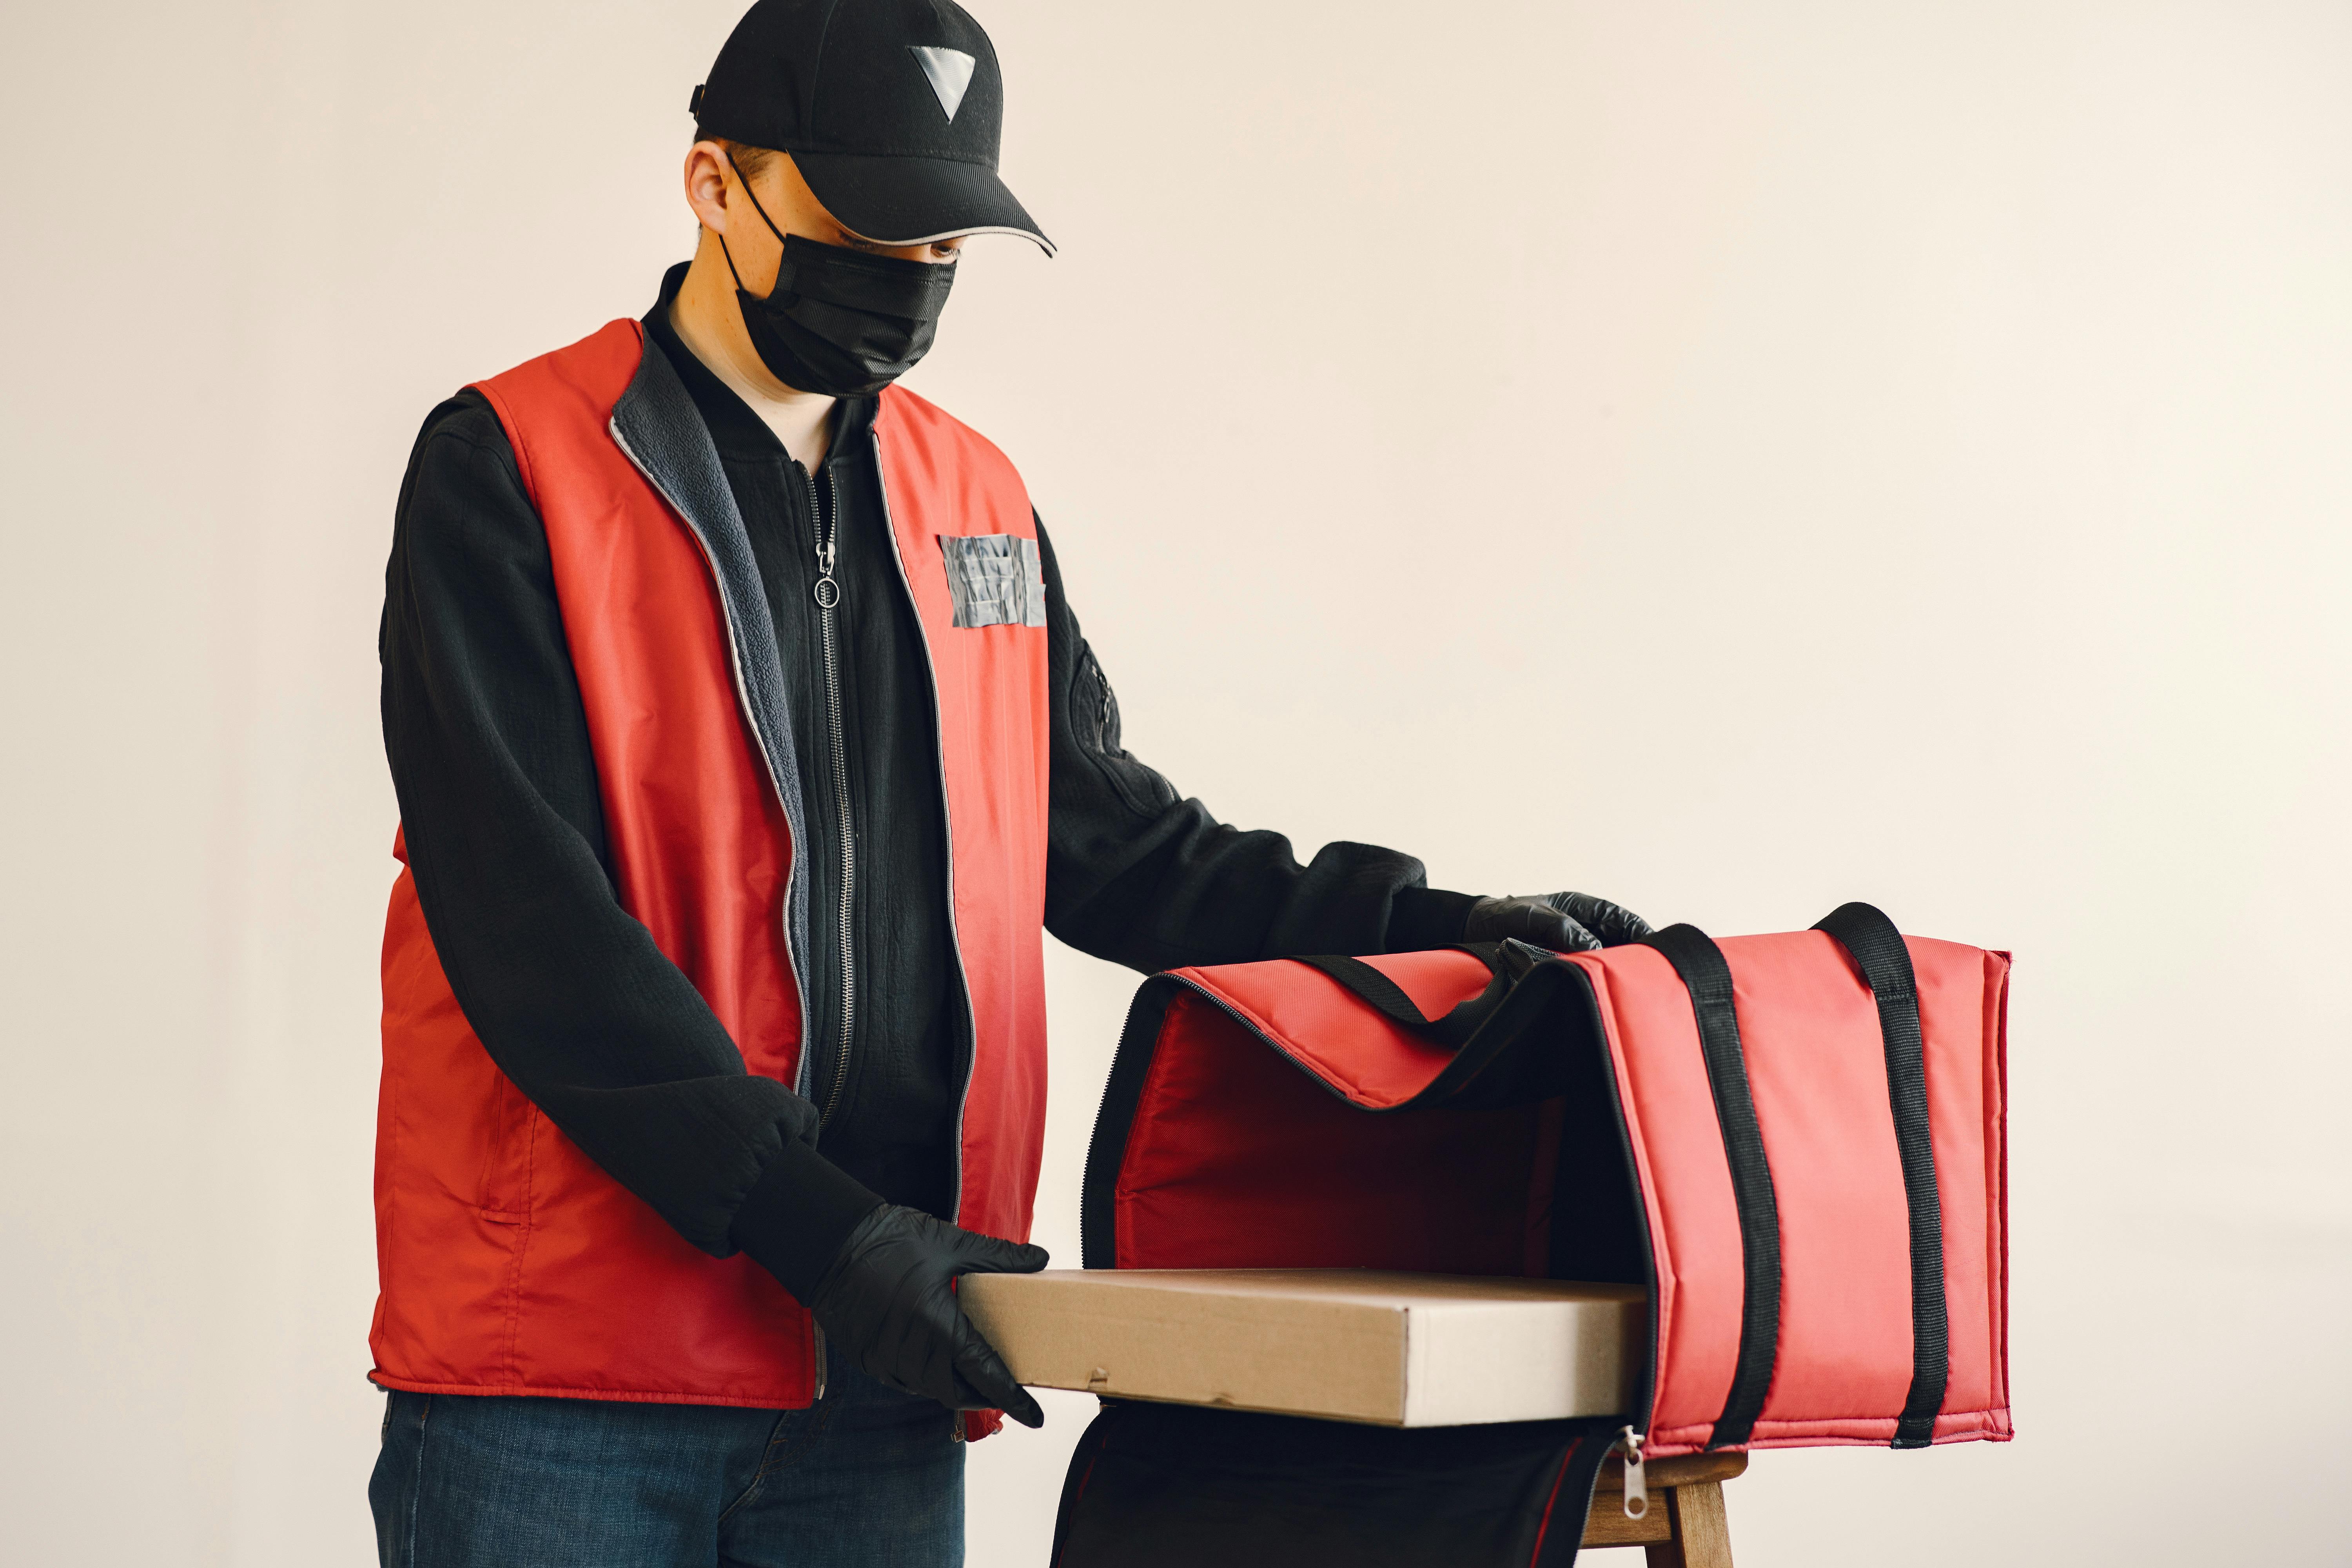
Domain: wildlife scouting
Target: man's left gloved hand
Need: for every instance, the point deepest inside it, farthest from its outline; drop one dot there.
(1564, 922)
(888, 1301)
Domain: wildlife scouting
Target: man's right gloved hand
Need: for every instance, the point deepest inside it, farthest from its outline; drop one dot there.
(888, 1301)
(1565, 923)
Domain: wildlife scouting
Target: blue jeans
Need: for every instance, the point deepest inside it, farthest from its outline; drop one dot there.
(864, 1479)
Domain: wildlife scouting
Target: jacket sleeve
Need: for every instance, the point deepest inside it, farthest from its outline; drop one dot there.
(490, 759)
(1138, 875)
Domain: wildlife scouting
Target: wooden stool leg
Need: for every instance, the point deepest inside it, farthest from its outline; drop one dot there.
(1701, 1535)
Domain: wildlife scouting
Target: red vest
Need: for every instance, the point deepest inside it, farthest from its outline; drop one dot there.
(510, 1263)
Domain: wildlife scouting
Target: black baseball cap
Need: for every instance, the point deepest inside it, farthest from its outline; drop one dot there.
(892, 109)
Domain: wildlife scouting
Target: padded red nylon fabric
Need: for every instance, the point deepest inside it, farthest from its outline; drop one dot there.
(1964, 1009)
(510, 1263)
(942, 477)
(1817, 1069)
(1237, 1160)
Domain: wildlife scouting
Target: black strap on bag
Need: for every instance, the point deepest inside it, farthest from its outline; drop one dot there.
(1453, 1030)
(1708, 979)
(1885, 963)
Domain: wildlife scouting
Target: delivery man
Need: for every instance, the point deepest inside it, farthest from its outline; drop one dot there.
(745, 741)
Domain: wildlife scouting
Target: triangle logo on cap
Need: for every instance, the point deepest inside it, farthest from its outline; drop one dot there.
(948, 70)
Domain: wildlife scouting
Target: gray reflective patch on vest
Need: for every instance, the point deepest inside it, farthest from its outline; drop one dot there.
(995, 579)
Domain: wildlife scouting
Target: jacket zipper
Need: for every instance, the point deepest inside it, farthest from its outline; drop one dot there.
(827, 593)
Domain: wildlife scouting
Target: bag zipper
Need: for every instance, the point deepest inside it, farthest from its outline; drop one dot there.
(1634, 1433)
(827, 593)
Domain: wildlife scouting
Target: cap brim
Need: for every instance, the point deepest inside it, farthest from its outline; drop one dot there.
(913, 201)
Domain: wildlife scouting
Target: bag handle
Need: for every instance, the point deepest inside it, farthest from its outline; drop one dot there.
(1878, 951)
(1506, 961)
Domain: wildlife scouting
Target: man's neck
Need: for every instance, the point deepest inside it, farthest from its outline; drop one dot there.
(706, 318)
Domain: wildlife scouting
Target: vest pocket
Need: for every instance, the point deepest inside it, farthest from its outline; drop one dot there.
(503, 1194)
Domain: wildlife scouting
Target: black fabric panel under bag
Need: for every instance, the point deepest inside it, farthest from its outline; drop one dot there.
(1172, 1485)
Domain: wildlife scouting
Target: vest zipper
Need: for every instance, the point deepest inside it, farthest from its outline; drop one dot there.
(796, 961)
(947, 812)
(827, 593)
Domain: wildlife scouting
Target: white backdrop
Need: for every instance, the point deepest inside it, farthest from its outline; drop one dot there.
(1732, 458)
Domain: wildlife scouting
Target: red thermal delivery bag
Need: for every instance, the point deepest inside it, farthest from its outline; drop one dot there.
(1794, 1141)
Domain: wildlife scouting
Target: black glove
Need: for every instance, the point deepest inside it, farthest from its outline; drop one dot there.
(888, 1301)
(1565, 923)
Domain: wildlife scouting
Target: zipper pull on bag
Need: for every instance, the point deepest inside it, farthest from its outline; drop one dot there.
(1637, 1490)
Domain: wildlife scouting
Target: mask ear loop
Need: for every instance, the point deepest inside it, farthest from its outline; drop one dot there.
(745, 180)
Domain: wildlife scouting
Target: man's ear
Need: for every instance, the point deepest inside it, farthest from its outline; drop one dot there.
(706, 185)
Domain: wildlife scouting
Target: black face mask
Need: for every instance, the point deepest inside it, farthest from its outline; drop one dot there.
(839, 321)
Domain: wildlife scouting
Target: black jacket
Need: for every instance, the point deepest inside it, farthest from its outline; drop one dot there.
(498, 789)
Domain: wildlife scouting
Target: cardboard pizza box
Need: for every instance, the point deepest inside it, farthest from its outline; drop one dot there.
(1395, 1350)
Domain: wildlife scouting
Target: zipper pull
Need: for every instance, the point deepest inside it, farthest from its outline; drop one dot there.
(827, 591)
(1637, 1490)
(828, 542)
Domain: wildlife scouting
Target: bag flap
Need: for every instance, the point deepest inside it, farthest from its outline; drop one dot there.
(1327, 1029)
